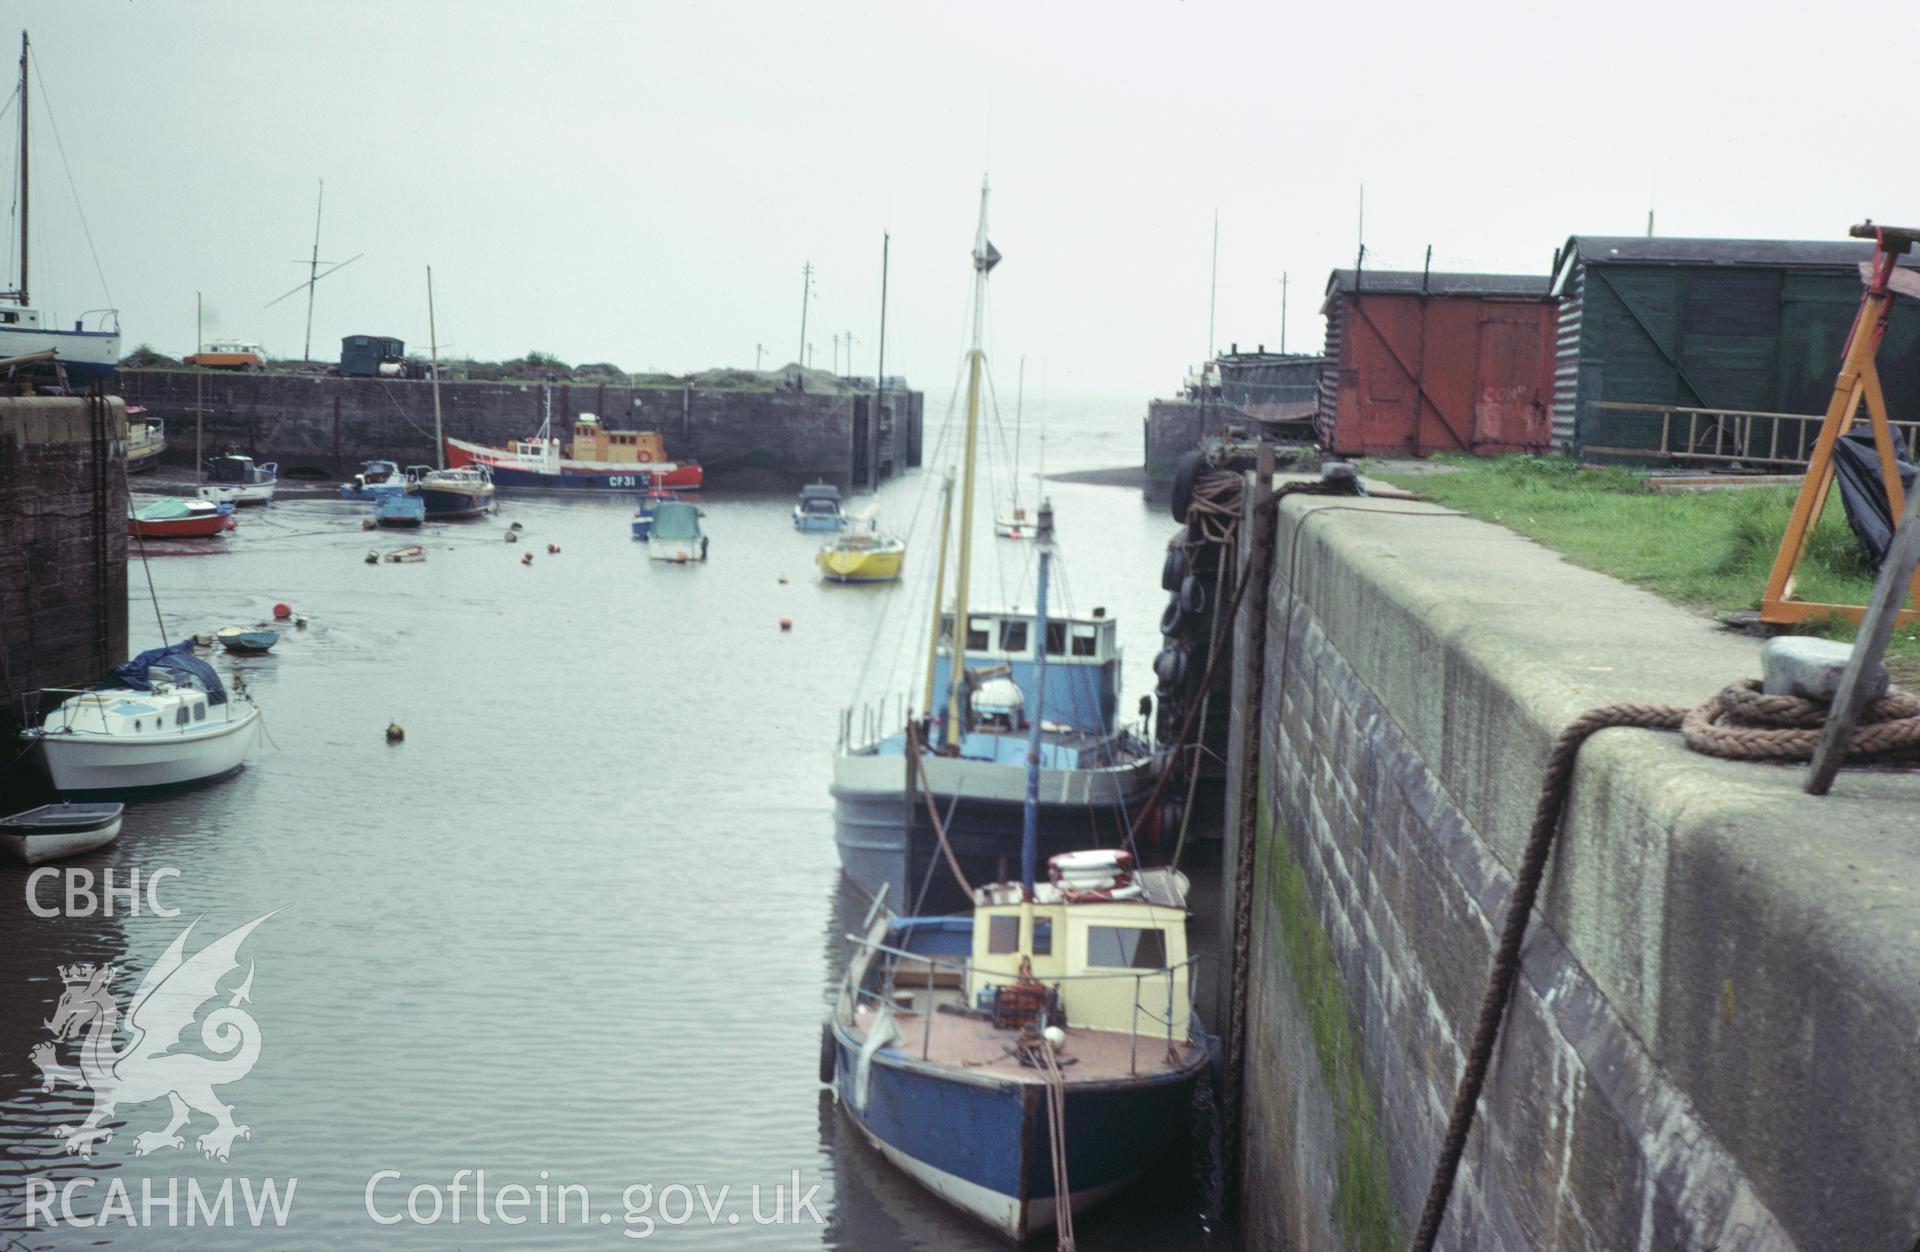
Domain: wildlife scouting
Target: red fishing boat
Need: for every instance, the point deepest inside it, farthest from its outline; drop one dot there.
(595, 459)
(180, 519)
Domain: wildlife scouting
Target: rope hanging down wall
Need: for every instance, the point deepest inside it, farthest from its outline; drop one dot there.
(1739, 723)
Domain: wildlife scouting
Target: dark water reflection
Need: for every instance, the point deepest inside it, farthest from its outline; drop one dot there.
(582, 921)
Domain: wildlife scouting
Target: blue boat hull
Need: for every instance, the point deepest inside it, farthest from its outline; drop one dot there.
(803, 521)
(507, 478)
(881, 845)
(981, 1142)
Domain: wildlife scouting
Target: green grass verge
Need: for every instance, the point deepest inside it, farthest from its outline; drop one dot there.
(1708, 551)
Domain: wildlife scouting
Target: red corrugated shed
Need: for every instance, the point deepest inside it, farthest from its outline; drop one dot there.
(1420, 363)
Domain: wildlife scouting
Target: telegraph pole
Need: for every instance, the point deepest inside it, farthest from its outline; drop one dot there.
(1283, 314)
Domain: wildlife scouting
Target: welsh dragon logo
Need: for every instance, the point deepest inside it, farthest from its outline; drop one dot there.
(146, 1066)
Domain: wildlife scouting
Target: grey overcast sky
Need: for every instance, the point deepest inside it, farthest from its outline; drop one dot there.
(641, 182)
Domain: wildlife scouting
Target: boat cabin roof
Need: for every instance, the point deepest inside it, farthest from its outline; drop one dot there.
(819, 491)
(1008, 635)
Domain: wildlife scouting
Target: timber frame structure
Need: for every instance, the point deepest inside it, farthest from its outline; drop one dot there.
(1858, 382)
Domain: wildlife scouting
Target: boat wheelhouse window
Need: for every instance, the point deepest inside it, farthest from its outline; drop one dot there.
(9, 318)
(1003, 934)
(1042, 937)
(1126, 947)
(199, 712)
(1013, 636)
(180, 716)
(1056, 638)
(1086, 641)
(976, 634)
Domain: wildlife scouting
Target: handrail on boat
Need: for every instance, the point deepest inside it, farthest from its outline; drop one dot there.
(966, 968)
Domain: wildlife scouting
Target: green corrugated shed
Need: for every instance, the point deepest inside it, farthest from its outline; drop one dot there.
(1750, 324)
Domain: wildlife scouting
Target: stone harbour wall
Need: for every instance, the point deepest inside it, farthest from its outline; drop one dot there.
(1715, 1038)
(63, 550)
(330, 424)
(1172, 428)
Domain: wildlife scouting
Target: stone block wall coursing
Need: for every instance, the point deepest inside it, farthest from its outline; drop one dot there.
(63, 545)
(333, 424)
(1713, 1040)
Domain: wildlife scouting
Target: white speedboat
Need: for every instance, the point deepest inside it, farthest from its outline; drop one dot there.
(56, 830)
(237, 480)
(168, 723)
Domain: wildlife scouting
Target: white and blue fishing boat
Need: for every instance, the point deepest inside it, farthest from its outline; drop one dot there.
(400, 509)
(819, 508)
(648, 506)
(375, 479)
(463, 492)
(965, 755)
(235, 479)
(1028, 1060)
(80, 357)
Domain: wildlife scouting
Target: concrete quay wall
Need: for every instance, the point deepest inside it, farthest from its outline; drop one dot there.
(1715, 1039)
(331, 424)
(63, 549)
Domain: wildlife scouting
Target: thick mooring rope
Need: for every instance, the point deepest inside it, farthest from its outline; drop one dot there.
(1740, 723)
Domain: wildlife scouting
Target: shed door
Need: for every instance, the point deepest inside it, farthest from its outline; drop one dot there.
(1509, 413)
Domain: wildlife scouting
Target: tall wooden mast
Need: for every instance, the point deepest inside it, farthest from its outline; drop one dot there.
(984, 259)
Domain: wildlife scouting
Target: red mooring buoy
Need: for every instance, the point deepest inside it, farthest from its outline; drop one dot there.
(553, 548)
(786, 623)
(526, 558)
(281, 612)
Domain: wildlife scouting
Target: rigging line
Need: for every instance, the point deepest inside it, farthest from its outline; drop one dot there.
(46, 102)
(141, 542)
(900, 637)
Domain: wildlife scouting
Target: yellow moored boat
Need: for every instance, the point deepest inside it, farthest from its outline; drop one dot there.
(865, 554)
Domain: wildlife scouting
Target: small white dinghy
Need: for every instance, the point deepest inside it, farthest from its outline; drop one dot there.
(56, 830)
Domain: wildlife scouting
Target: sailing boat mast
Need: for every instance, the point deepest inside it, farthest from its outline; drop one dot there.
(1019, 403)
(25, 201)
(433, 345)
(939, 582)
(984, 259)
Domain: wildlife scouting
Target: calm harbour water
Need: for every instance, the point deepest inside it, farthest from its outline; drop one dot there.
(585, 918)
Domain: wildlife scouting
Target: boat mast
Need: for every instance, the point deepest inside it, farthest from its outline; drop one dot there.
(313, 268)
(1019, 402)
(433, 346)
(199, 399)
(939, 583)
(984, 259)
(880, 386)
(1030, 814)
(25, 202)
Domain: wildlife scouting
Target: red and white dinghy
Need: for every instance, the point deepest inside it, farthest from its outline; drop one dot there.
(173, 518)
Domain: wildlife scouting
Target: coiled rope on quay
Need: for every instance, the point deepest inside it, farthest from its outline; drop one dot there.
(1739, 723)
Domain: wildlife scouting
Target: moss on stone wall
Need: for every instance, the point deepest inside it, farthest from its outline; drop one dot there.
(1363, 1197)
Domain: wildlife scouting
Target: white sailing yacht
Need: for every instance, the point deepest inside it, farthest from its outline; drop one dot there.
(80, 356)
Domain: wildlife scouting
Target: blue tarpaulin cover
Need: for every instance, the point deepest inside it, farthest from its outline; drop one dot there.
(180, 659)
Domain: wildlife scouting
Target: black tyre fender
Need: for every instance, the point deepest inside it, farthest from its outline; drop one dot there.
(829, 1053)
(1193, 596)
(1185, 474)
(1173, 570)
(1174, 620)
